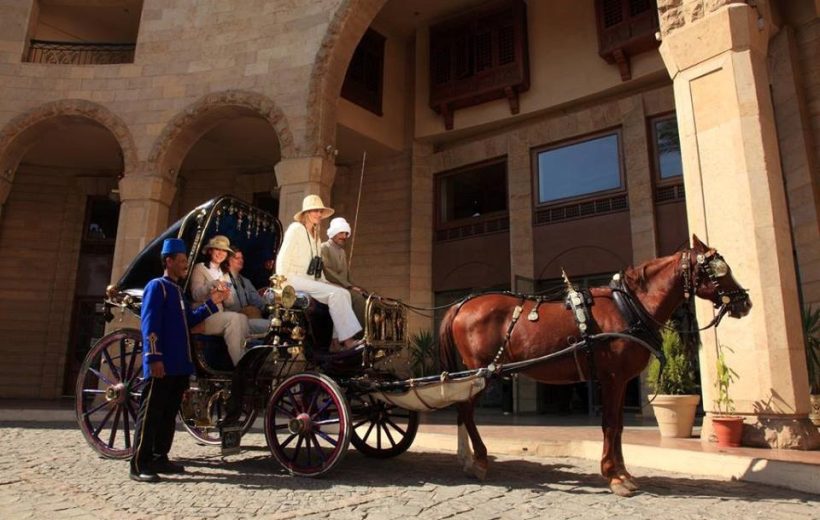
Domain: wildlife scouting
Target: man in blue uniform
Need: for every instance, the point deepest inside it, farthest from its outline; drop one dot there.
(166, 362)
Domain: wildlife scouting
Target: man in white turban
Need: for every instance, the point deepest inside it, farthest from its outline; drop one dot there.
(335, 263)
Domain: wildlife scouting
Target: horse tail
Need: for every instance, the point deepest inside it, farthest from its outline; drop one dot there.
(447, 347)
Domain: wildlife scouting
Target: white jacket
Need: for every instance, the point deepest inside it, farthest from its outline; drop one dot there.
(296, 252)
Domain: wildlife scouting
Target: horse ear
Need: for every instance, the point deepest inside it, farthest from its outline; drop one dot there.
(697, 244)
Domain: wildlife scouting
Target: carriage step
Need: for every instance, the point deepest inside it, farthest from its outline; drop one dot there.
(230, 435)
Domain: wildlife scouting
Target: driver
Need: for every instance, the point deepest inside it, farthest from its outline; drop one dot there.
(300, 261)
(335, 264)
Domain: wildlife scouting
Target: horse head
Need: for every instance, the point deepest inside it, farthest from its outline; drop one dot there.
(712, 280)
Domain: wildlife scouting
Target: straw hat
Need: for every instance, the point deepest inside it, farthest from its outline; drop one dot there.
(219, 242)
(312, 202)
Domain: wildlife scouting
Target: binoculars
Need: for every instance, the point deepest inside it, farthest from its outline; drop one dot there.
(315, 267)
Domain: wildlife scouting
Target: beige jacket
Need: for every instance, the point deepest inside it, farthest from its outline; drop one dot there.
(297, 249)
(202, 283)
(335, 261)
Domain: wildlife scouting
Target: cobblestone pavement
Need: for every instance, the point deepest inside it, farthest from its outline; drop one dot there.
(48, 471)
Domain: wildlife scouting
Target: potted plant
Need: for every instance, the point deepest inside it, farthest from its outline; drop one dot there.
(676, 388)
(811, 334)
(728, 428)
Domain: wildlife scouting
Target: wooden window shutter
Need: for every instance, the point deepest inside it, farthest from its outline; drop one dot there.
(479, 57)
(625, 28)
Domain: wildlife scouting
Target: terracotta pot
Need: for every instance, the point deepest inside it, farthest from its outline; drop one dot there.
(728, 430)
(675, 414)
(814, 413)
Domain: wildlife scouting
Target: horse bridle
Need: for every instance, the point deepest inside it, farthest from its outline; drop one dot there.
(715, 267)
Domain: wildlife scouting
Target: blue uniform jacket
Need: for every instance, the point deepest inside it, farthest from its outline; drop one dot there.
(166, 318)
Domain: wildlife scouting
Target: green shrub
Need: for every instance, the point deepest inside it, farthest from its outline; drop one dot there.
(811, 334)
(678, 377)
(725, 377)
(422, 352)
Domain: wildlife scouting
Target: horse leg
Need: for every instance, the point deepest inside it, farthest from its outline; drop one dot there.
(476, 463)
(465, 453)
(612, 396)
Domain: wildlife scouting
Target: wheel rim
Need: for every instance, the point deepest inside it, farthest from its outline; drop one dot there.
(307, 424)
(381, 430)
(210, 435)
(107, 393)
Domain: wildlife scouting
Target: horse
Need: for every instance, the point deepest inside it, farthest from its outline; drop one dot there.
(486, 331)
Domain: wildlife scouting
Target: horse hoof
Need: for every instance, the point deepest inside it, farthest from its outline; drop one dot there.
(630, 484)
(480, 471)
(620, 489)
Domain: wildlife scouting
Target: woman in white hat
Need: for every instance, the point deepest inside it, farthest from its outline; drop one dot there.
(297, 260)
(210, 274)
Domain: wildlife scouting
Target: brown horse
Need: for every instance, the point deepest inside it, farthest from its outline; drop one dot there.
(485, 330)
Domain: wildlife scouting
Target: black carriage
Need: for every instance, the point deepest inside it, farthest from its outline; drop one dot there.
(314, 402)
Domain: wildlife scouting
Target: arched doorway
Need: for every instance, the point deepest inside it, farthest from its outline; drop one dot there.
(235, 155)
(57, 237)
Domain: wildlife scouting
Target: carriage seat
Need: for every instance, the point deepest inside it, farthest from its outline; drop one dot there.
(211, 354)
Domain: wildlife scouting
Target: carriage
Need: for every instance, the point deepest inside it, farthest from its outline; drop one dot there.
(315, 403)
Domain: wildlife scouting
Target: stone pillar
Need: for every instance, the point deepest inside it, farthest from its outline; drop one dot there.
(735, 202)
(519, 185)
(639, 180)
(144, 203)
(301, 176)
(421, 236)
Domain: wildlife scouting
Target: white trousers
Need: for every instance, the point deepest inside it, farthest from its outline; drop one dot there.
(345, 324)
(232, 326)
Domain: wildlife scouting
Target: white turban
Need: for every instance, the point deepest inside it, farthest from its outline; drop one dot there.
(338, 225)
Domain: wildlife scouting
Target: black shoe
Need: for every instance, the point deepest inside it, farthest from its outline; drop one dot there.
(166, 466)
(145, 476)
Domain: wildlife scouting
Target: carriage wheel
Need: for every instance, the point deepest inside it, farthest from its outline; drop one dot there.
(108, 391)
(307, 424)
(381, 430)
(209, 435)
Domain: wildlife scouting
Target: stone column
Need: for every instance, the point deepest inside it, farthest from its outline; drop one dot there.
(421, 236)
(522, 262)
(144, 203)
(735, 202)
(519, 201)
(301, 176)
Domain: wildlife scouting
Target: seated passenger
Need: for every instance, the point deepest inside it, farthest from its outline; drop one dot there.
(244, 296)
(335, 264)
(233, 326)
(300, 261)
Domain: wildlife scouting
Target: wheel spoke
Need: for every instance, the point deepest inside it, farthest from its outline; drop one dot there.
(293, 401)
(318, 448)
(114, 369)
(114, 428)
(395, 426)
(356, 425)
(370, 429)
(327, 421)
(104, 403)
(125, 427)
(313, 399)
(288, 441)
(93, 391)
(288, 413)
(100, 376)
(96, 432)
(327, 437)
(131, 362)
(327, 404)
(123, 364)
(387, 434)
(131, 411)
(297, 449)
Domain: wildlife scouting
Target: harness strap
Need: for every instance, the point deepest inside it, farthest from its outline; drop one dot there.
(516, 314)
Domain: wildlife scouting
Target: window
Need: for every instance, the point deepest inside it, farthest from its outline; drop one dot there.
(472, 201)
(665, 139)
(478, 191)
(363, 81)
(625, 28)
(478, 57)
(579, 169)
(102, 217)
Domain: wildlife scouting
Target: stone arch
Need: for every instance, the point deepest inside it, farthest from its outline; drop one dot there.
(194, 121)
(350, 22)
(19, 134)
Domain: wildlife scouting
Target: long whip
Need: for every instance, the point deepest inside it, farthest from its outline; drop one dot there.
(356, 216)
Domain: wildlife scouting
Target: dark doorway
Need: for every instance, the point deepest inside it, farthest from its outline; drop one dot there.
(93, 276)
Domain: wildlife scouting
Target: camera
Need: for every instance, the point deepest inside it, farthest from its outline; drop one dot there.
(315, 267)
